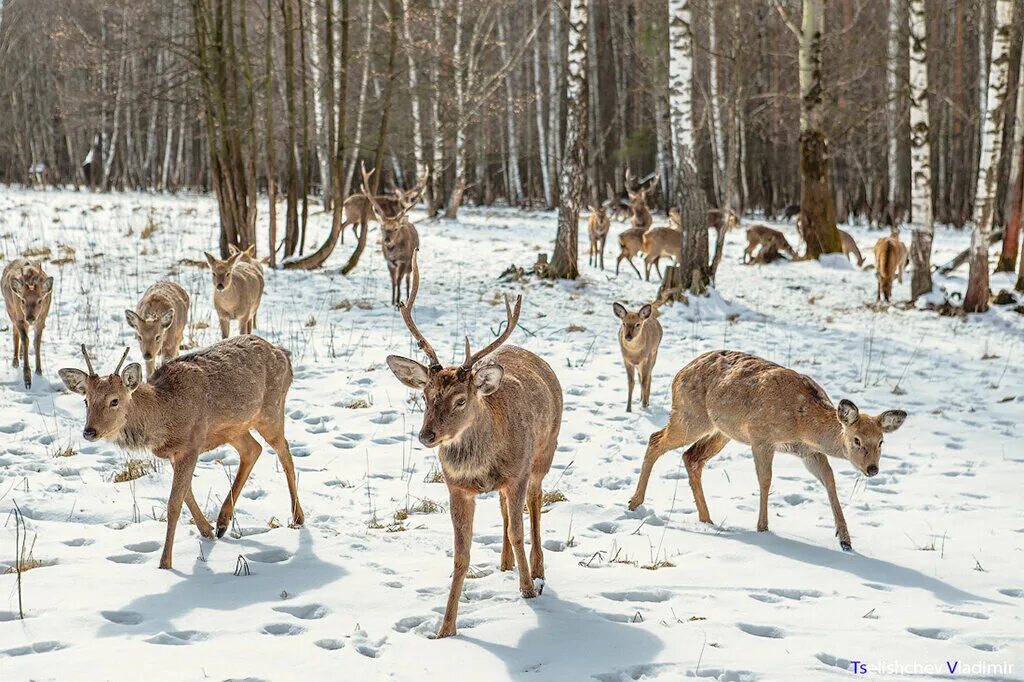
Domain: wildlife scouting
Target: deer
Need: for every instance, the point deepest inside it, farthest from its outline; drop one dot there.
(890, 257)
(28, 292)
(728, 395)
(159, 322)
(638, 203)
(192, 404)
(631, 243)
(659, 242)
(617, 202)
(400, 238)
(358, 208)
(495, 420)
(238, 290)
(598, 225)
(639, 337)
(768, 243)
(850, 246)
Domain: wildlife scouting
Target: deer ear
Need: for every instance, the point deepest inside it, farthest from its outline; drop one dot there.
(131, 318)
(167, 318)
(892, 420)
(409, 372)
(210, 259)
(646, 311)
(132, 376)
(233, 258)
(232, 249)
(48, 285)
(847, 412)
(74, 379)
(487, 379)
(619, 309)
(16, 285)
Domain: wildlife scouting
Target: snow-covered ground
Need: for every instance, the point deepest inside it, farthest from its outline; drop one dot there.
(938, 535)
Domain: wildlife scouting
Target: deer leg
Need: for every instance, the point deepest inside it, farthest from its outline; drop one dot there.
(630, 380)
(645, 384)
(17, 341)
(669, 438)
(635, 268)
(38, 344)
(818, 465)
(462, 506)
(204, 527)
(225, 327)
(515, 498)
(763, 456)
(275, 436)
(657, 268)
(506, 546)
(647, 269)
(26, 374)
(695, 457)
(617, 262)
(534, 496)
(249, 451)
(183, 463)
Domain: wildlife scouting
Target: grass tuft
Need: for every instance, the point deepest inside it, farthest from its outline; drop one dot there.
(134, 468)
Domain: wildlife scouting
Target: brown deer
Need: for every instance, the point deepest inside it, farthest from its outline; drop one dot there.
(617, 203)
(159, 323)
(495, 419)
(598, 225)
(850, 246)
(639, 337)
(890, 254)
(658, 243)
(237, 290)
(359, 209)
(192, 404)
(638, 202)
(728, 395)
(768, 243)
(400, 238)
(28, 292)
(631, 243)
(902, 254)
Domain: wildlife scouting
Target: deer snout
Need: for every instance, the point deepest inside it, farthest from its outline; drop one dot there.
(428, 438)
(220, 286)
(89, 433)
(147, 356)
(872, 470)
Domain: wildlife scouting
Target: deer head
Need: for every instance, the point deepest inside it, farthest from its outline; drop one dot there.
(862, 434)
(222, 269)
(390, 226)
(632, 323)
(150, 331)
(106, 398)
(453, 396)
(32, 290)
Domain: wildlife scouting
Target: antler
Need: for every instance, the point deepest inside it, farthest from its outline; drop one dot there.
(88, 362)
(368, 194)
(406, 308)
(513, 320)
(629, 178)
(117, 369)
(410, 198)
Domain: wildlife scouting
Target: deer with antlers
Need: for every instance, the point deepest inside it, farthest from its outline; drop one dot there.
(400, 238)
(495, 421)
(193, 404)
(27, 292)
(641, 218)
(359, 208)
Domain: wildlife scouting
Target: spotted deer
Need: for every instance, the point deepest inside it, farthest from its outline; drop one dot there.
(598, 225)
(727, 395)
(768, 242)
(193, 404)
(237, 290)
(639, 337)
(400, 238)
(28, 292)
(159, 322)
(495, 421)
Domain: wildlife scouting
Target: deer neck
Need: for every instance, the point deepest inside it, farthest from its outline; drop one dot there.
(827, 437)
(144, 427)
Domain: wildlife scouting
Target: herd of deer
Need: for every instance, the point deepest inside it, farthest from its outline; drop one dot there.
(494, 418)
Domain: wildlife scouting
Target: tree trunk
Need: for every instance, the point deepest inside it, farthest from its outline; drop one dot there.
(564, 261)
(977, 296)
(269, 142)
(291, 230)
(920, 163)
(458, 64)
(1011, 233)
(892, 108)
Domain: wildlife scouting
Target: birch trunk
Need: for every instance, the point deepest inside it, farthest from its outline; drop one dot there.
(437, 143)
(716, 112)
(564, 260)
(357, 135)
(892, 108)
(323, 154)
(1011, 232)
(920, 162)
(459, 186)
(555, 57)
(542, 133)
(515, 183)
(977, 296)
(419, 151)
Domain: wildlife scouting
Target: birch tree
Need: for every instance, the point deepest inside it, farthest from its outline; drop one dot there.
(563, 261)
(977, 295)
(920, 153)
(718, 142)
(892, 109)
(542, 133)
(820, 230)
(1015, 190)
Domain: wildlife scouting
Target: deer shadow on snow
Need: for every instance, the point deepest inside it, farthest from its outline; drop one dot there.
(570, 641)
(271, 568)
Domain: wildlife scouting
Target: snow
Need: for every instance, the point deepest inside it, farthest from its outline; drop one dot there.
(938, 534)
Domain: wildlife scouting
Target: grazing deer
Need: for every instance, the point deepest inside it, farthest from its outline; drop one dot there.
(890, 254)
(638, 203)
(192, 404)
(400, 238)
(631, 243)
(770, 241)
(727, 395)
(159, 323)
(902, 254)
(237, 290)
(598, 225)
(495, 419)
(850, 246)
(659, 242)
(639, 338)
(27, 294)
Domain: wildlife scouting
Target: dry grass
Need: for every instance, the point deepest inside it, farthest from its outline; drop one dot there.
(25, 565)
(358, 404)
(134, 468)
(193, 263)
(575, 328)
(37, 252)
(424, 506)
(347, 305)
(150, 229)
(435, 475)
(664, 563)
(65, 451)
(311, 322)
(551, 497)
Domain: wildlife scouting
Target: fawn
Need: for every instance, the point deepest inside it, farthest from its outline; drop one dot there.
(159, 323)
(639, 337)
(238, 290)
(770, 241)
(27, 294)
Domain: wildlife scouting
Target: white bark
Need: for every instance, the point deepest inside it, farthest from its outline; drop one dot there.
(460, 126)
(716, 111)
(515, 183)
(680, 77)
(538, 91)
(419, 152)
(991, 139)
(554, 88)
(357, 135)
(1018, 143)
(435, 108)
(892, 110)
(319, 130)
(810, 65)
(920, 162)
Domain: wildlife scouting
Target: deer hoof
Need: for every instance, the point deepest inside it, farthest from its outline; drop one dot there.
(445, 631)
(529, 593)
(846, 545)
(221, 530)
